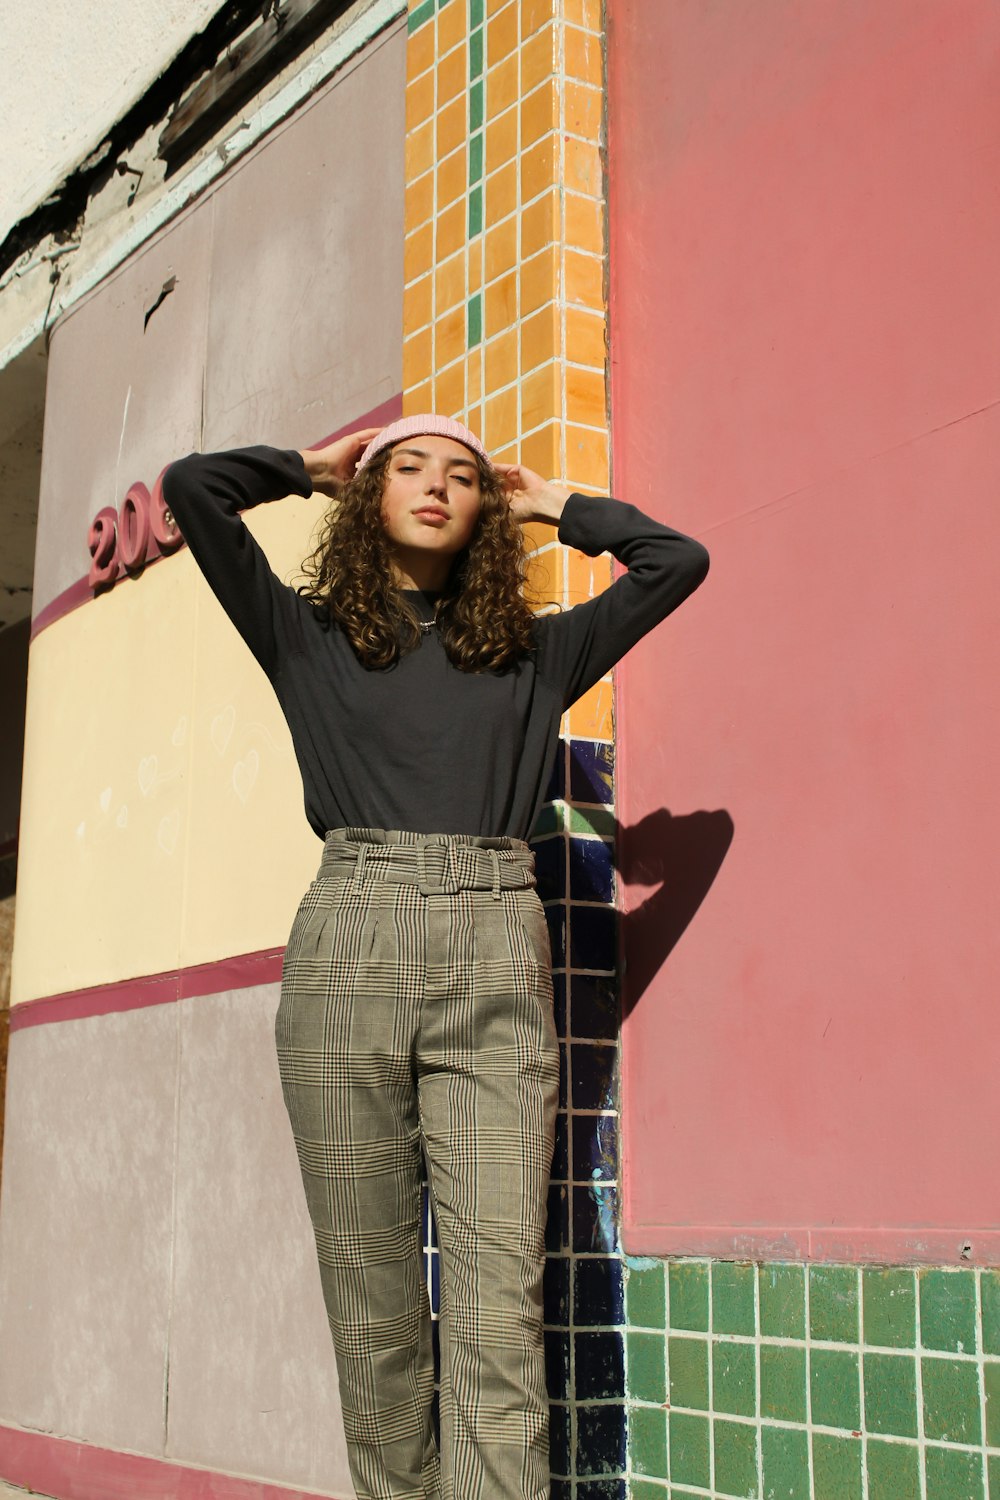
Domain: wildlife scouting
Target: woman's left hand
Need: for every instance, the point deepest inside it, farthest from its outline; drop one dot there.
(531, 497)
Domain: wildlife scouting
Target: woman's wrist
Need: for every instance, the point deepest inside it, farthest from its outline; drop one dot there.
(549, 502)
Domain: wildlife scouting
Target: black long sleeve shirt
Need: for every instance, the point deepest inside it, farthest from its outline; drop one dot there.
(422, 745)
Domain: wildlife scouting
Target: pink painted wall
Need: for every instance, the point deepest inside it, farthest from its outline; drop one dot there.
(805, 235)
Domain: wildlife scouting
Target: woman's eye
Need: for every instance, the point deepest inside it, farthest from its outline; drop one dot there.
(462, 479)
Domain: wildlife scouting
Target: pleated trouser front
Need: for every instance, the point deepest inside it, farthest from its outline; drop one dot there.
(415, 1021)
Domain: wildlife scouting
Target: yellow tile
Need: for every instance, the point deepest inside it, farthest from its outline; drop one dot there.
(418, 251)
(539, 280)
(501, 194)
(586, 397)
(582, 169)
(449, 337)
(584, 223)
(583, 279)
(494, 6)
(582, 106)
(451, 26)
(538, 59)
(475, 381)
(591, 717)
(541, 396)
(505, 455)
(449, 282)
(586, 577)
(501, 86)
(540, 451)
(474, 420)
(542, 584)
(449, 390)
(583, 56)
(502, 35)
(501, 140)
(585, 341)
(419, 101)
(501, 419)
(539, 224)
(538, 168)
(536, 13)
(587, 458)
(501, 360)
(416, 358)
(501, 248)
(452, 126)
(452, 177)
(450, 229)
(539, 114)
(417, 304)
(418, 202)
(419, 150)
(501, 304)
(452, 75)
(418, 399)
(585, 13)
(540, 338)
(419, 52)
(475, 265)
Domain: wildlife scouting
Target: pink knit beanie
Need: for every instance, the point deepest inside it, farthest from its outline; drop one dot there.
(417, 427)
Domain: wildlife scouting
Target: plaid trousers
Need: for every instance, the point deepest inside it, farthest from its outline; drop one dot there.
(415, 1022)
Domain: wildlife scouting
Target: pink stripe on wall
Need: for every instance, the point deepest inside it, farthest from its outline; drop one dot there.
(238, 973)
(71, 1470)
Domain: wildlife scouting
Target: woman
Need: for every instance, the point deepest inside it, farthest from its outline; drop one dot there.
(424, 700)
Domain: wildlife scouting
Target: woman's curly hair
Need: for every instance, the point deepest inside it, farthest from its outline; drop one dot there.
(484, 621)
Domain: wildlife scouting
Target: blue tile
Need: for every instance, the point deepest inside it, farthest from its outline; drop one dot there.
(593, 1007)
(602, 1489)
(595, 1212)
(550, 868)
(593, 1075)
(563, 1077)
(599, 1367)
(562, 1489)
(435, 1286)
(555, 915)
(555, 1290)
(592, 937)
(557, 1364)
(559, 1004)
(598, 1299)
(559, 1440)
(595, 1148)
(591, 871)
(557, 1224)
(591, 771)
(600, 1443)
(560, 1156)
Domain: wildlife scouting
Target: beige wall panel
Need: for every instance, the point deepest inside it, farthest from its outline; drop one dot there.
(86, 1227)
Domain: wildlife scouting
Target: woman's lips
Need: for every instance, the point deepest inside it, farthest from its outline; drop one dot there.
(433, 516)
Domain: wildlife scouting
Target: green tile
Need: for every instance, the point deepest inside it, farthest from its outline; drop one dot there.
(735, 1459)
(836, 1467)
(993, 1465)
(476, 157)
(782, 1291)
(953, 1475)
(476, 106)
(687, 1369)
(734, 1378)
(835, 1388)
(893, 1471)
(889, 1309)
(951, 1400)
(549, 820)
(475, 212)
(688, 1293)
(891, 1394)
(599, 820)
(732, 1298)
(786, 1463)
(833, 1303)
(475, 14)
(646, 1489)
(647, 1362)
(475, 319)
(783, 1383)
(990, 1292)
(645, 1302)
(417, 17)
(948, 1310)
(647, 1440)
(991, 1380)
(476, 53)
(689, 1449)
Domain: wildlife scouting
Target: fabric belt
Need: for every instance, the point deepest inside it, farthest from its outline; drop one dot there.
(438, 864)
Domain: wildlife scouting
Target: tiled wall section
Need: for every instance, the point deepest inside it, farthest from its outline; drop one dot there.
(826, 1383)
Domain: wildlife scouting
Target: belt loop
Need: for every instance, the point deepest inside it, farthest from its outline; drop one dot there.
(359, 868)
(495, 860)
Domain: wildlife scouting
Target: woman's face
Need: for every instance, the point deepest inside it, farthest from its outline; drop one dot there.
(432, 497)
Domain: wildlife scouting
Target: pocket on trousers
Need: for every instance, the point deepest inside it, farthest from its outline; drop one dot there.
(531, 920)
(330, 926)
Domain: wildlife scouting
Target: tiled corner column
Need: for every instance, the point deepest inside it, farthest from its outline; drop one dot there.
(505, 329)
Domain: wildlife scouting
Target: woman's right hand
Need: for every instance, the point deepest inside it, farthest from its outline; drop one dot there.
(332, 466)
